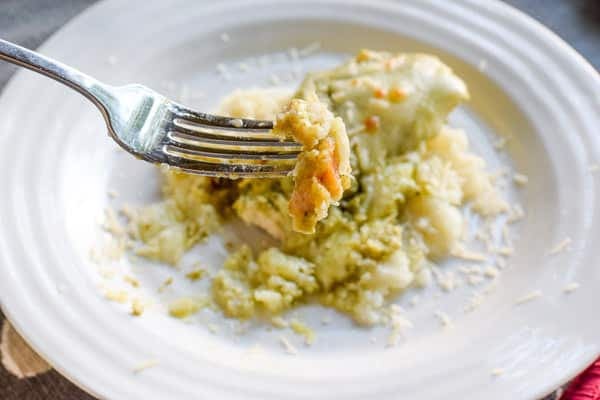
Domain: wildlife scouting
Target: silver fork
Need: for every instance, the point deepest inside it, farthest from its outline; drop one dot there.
(158, 130)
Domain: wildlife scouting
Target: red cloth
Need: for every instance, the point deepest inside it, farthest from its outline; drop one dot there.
(586, 386)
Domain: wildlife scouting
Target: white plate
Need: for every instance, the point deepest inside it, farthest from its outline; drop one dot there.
(56, 165)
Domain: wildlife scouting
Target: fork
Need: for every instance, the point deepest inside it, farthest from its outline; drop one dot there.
(156, 129)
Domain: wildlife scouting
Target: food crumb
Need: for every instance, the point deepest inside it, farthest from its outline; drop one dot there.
(119, 296)
(302, 329)
(500, 143)
(594, 168)
(504, 251)
(132, 281)
(165, 284)
(279, 322)
(274, 80)
(289, 348)
(571, 287)
(244, 67)
(326, 320)
(482, 65)
(529, 297)
(185, 306)
(213, 328)
(491, 272)
(225, 37)
(443, 318)
(195, 274)
(497, 371)
(373, 339)
(310, 49)
(145, 365)
(460, 252)
(516, 214)
(520, 179)
(414, 301)
(474, 302)
(107, 272)
(398, 323)
(137, 307)
(111, 223)
(222, 70)
(506, 236)
(474, 280)
(501, 263)
(561, 246)
(113, 194)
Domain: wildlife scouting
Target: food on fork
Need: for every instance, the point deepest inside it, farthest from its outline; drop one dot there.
(322, 171)
(373, 203)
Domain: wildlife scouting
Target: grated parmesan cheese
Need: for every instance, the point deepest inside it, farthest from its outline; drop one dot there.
(302, 329)
(279, 322)
(501, 263)
(274, 80)
(244, 67)
(310, 49)
(165, 284)
(500, 143)
(145, 365)
(289, 348)
(491, 272)
(460, 252)
(223, 72)
(414, 301)
(132, 281)
(119, 296)
(474, 302)
(561, 246)
(482, 65)
(474, 280)
(294, 54)
(443, 318)
(137, 307)
(398, 323)
(520, 179)
(504, 251)
(529, 297)
(516, 214)
(213, 328)
(571, 287)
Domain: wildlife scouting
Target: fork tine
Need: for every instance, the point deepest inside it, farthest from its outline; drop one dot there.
(220, 121)
(227, 145)
(218, 168)
(229, 158)
(228, 132)
(231, 171)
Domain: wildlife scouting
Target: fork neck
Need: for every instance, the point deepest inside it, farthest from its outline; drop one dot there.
(91, 88)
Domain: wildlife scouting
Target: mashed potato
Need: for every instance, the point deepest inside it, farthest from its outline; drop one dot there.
(364, 216)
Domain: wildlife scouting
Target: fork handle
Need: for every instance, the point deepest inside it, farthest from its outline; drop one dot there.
(91, 88)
